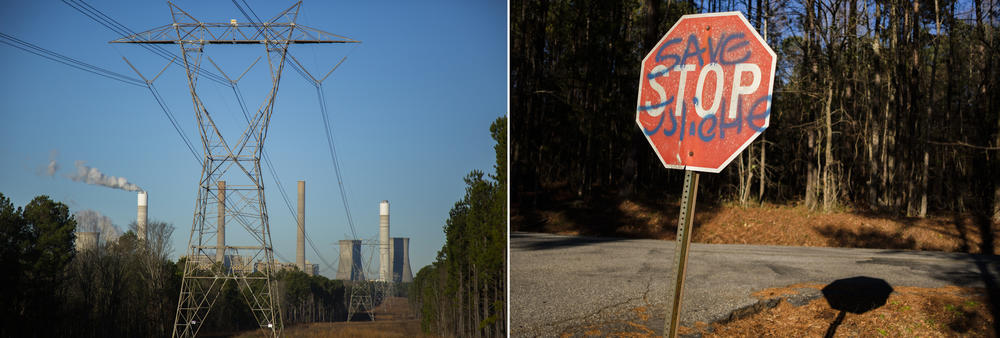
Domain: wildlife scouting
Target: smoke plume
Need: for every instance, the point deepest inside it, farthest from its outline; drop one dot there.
(51, 169)
(91, 175)
(93, 221)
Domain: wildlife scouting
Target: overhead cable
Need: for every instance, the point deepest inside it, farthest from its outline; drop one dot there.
(275, 177)
(326, 121)
(120, 29)
(48, 54)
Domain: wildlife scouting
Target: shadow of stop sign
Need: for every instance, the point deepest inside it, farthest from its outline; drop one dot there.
(705, 91)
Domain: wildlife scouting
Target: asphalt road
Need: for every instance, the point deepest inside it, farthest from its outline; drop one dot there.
(569, 284)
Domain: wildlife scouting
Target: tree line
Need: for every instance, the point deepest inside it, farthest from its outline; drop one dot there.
(887, 106)
(123, 287)
(462, 293)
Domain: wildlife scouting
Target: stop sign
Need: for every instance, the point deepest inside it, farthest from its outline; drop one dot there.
(705, 91)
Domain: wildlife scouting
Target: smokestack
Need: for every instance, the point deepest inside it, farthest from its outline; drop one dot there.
(350, 260)
(300, 247)
(383, 241)
(141, 218)
(220, 237)
(86, 240)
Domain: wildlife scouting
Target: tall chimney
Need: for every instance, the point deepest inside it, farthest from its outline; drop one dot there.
(300, 247)
(383, 241)
(140, 219)
(220, 237)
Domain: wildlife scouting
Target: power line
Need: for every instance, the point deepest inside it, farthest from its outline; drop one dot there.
(277, 180)
(115, 26)
(173, 120)
(333, 156)
(66, 60)
(326, 123)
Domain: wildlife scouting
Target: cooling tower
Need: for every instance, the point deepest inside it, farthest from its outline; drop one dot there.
(300, 247)
(140, 219)
(400, 247)
(220, 248)
(350, 261)
(383, 242)
(86, 240)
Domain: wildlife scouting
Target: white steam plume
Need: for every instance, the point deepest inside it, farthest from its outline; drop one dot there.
(93, 221)
(51, 169)
(91, 175)
(53, 166)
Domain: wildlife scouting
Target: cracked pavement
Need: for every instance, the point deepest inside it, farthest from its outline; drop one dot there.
(575, 285)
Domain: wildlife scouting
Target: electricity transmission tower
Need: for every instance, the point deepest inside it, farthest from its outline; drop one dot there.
(365, 294)
(230, 186)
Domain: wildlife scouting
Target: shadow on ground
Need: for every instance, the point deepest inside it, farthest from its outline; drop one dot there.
(865, 238)
(559, 242)
(856, 295)
(601, 212)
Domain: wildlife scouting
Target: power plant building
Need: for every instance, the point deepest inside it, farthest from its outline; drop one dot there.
(244, 265)
(311, 269)
(235, 263)
(394, 255)
(400, 260)
(350, 267)
(86, 240)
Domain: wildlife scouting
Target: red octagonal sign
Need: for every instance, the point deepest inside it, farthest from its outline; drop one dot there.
(705, 91)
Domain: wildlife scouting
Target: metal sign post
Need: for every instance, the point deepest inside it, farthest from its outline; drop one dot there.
(684, 224)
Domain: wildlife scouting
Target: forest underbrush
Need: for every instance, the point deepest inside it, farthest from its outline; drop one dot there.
(607, 214)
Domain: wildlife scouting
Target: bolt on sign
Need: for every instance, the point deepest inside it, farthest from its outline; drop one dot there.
(704, 95)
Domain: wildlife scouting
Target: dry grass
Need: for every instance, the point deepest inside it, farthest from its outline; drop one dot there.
(766, 225)
(909, 312)
(797, 226)
(393, 319)
(397, 328)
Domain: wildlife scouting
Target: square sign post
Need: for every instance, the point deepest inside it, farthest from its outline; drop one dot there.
(704, 95)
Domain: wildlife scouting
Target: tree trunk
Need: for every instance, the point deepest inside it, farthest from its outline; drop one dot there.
(828, 181)
(460, 315)
(475, 301)
(763, 140)
(749, 180)
(763, 166)
(811, 174)
(925, 178)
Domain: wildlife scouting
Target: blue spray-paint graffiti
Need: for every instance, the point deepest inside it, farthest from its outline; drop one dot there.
(716, 51)
(659, 124)
(713, 125)
(763, 116)
(722, 48)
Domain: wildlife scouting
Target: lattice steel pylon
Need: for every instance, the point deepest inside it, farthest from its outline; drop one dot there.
(230, 186)
(365, 293)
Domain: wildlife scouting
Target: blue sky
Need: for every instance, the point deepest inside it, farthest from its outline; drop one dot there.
(410, 108)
